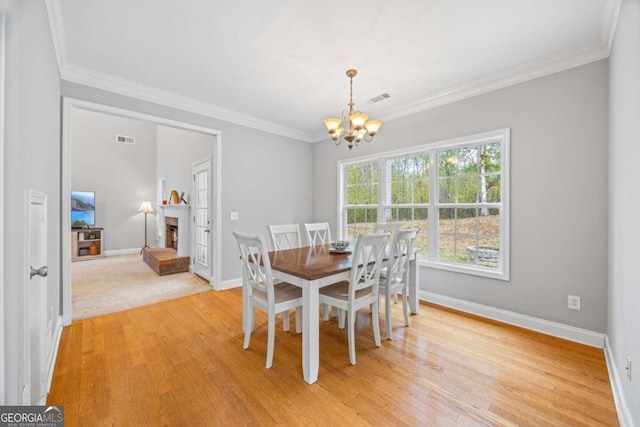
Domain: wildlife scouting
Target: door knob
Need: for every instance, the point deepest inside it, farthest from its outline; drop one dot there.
(207, 231)
(42, 271)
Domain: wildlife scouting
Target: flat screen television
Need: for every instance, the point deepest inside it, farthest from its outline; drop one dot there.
(83, 208)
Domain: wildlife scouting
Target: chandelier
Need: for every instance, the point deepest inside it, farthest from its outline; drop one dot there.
(359, 127)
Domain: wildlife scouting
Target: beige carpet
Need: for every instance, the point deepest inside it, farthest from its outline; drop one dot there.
(121, 282)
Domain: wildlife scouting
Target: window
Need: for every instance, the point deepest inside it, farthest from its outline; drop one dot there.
(461, 185)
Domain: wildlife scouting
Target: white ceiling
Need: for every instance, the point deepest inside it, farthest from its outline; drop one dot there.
(280, 65)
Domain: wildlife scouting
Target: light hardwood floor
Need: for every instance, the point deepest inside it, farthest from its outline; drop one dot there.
(181, 363)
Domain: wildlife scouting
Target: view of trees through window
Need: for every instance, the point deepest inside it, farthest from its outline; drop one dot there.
(459, 186)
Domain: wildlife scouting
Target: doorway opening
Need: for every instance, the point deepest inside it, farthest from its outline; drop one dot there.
(73, 106)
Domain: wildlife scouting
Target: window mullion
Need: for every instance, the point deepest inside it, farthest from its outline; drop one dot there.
(382, 187)
(432, 211)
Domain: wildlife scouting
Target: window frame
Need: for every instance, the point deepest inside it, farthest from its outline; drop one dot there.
(502, 136)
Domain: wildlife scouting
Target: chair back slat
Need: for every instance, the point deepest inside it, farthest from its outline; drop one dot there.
(255, 263)
(399, 255)
(285, 236)
(368, 257)
(318, 233)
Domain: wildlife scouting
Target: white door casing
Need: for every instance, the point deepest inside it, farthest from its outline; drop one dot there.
(201, 218)
(36, 300)
(2, 109)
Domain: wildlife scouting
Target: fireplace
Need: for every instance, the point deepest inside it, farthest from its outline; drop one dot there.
(173, 228)
(171, 232)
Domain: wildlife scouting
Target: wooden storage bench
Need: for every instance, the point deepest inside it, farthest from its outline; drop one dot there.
(165, 261)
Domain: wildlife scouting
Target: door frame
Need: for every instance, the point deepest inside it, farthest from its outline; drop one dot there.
(68, 105)
(34, 198)
(3, 21)
(207, 160)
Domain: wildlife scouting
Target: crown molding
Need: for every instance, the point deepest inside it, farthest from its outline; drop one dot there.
(108, 82)
(54, 13)
(531, 70)
(88, 77)
(609, 23)
(519, 74)
(542, 67)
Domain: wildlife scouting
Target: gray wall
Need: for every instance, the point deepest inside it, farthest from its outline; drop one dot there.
(177, 150)
(121, 175)
(32, 161)
(265, 177)
(624, 204)
(558, 191)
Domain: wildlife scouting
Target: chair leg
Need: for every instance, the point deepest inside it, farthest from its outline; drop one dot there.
(351, 336)
(248, 328)
(376, 324)
(299, 320)
(405, 309)
(395, 298)
(341, 317)
(387, 314)
(325, 312)
(271, 338)
(285, 321)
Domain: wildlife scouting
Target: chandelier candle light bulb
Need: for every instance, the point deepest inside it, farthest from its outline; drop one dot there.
(359, 127)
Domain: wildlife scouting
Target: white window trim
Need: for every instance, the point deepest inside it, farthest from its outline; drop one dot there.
(430, 261)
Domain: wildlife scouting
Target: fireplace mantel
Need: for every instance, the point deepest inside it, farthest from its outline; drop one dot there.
(182, 212)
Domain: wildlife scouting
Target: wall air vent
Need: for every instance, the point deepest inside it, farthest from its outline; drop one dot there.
(129, 140)
(379, 98)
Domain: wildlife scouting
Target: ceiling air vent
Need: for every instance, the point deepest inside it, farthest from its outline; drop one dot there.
(129, 140)
(379, 98)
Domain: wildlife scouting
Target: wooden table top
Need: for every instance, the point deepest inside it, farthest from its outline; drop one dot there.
(310, 262)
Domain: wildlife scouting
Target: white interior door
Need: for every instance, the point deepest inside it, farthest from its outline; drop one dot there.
(202, 229)
(37, 300)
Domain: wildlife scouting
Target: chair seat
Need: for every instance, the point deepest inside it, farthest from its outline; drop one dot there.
(395, 285)
(283, 292)
(340, 291)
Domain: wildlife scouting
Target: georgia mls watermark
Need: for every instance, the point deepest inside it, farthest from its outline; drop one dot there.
(31, 416)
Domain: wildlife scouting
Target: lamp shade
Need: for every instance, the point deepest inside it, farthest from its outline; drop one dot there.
(145, 207)
(358, 119)
(372, 126)
(332, 124)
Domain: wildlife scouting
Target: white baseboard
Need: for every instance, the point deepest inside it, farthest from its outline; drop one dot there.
(56, 345)
(624, 416)
(122, 252)
(567, 332)
(229, 284)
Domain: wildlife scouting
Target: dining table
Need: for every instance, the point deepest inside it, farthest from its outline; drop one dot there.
(311, 268)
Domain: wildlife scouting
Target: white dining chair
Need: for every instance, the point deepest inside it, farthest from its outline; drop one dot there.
(388, 227)
(285, 236)
(318, 233)
(397, 277)
(361, 290)
(262, 293)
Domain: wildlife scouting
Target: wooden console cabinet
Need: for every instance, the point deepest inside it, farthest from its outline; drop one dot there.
(87, 243)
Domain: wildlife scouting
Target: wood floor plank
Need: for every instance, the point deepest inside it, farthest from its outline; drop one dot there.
(181, 362)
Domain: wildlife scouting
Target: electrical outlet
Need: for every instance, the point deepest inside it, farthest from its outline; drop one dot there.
(628, 368)
(234, 216)
(574, 303)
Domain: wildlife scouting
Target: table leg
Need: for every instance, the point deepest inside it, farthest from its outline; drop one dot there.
(414, 284)
(310, 331)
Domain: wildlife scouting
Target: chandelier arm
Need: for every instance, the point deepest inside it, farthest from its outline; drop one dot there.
(368, 137)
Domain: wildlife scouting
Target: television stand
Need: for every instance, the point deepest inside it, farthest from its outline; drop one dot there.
(87, 243)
